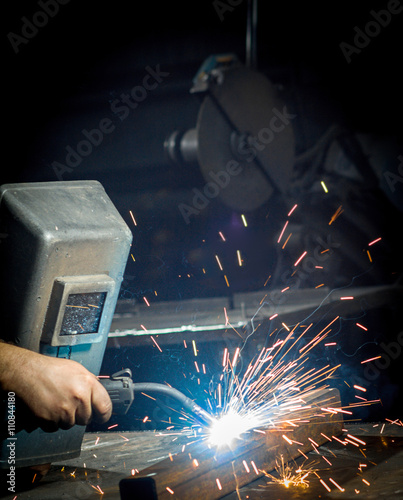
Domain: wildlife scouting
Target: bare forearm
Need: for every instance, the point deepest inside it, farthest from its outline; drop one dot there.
(11, 357)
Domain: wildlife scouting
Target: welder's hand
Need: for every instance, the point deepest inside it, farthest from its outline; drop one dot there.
(60, 392)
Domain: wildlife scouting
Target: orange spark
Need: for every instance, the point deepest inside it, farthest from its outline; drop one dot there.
(292, 210)
(338, 212)
(225, 357)
(286, 241)
(155, 342)
(132, 216)
(325, 485)
(282, 232)
(299, 260)
(358, 440)
(371, 359)
(226, 316)
(238, 252)
(235, 358)
(286, 439)
(361, 326)
(218, 262)
(337, 485)
(254, 467)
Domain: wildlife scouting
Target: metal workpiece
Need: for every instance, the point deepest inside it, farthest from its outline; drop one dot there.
(180, 475)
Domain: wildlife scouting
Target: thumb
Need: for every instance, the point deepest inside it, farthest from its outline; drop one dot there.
(101, 403)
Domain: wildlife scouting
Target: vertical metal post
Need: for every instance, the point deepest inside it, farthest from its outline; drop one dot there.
(251, 29)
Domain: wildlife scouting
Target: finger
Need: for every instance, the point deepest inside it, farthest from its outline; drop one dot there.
(101, 403)
(84, 411)
(48, 425)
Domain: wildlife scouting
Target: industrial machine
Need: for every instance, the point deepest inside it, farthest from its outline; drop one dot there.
(247, 143)
(243, 122)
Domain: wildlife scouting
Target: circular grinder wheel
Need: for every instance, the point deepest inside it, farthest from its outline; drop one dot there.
(242, 119)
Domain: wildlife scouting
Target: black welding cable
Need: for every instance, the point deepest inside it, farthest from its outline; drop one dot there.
(187, 403)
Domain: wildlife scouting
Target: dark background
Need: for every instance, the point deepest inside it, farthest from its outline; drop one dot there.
(64, 79)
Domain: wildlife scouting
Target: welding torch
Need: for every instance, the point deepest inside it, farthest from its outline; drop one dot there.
(121, 389)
